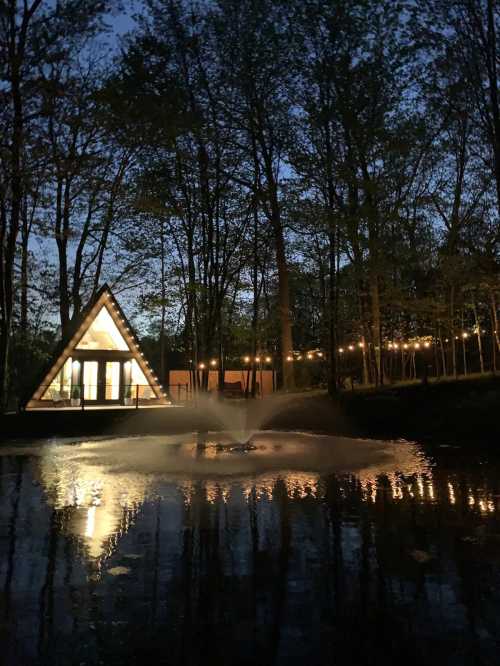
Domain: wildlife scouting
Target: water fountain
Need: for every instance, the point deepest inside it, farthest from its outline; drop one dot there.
(239, 421)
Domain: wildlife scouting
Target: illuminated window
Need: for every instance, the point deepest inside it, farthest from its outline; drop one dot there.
(138, 378)
(112, 380)
(103, 334)
(90, 371)
(60, 387)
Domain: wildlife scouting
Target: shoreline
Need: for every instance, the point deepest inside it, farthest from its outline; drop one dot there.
(465, 412)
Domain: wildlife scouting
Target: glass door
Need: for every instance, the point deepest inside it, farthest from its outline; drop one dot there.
(90, 379)
(112, 380)
(101, 381)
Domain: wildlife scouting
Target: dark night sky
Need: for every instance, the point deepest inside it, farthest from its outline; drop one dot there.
(121, 23)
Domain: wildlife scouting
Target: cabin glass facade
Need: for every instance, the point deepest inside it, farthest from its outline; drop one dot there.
(100, 365)
(103, 334)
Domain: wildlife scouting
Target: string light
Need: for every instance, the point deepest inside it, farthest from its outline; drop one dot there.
(412, 344)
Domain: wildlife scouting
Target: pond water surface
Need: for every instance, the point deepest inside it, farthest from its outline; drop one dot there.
(299, 550)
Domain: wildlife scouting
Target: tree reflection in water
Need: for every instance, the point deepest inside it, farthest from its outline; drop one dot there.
(113, 553)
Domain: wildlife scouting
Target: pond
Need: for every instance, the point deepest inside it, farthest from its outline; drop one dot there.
(295, 549)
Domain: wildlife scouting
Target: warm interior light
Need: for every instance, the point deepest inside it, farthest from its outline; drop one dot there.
(341, 350)
(103, 334)
(268, 359)
(289, 358)
(257, 359)
(309, 356)
(247, 359)
(202, 366)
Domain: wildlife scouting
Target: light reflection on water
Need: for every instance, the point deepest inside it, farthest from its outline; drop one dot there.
(135, 546)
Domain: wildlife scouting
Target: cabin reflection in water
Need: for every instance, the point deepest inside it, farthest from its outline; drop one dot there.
(264, 569)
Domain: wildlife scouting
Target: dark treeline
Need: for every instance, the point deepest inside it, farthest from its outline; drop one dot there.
(254, 177)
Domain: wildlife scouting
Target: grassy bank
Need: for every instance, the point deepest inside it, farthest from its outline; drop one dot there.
(447, 412)
(441, 412)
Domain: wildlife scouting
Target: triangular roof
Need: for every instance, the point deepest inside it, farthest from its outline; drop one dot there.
(81, 334)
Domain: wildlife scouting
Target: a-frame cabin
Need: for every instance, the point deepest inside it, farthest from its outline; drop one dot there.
(99, 365)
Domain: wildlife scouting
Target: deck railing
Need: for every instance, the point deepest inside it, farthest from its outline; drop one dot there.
(80, 395)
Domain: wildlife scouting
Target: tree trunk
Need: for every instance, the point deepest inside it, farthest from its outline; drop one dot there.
(494, 343)
(332, 314)
(284, 305)
(24, 275)
(15, 54)
(376, 328)
(492, 59)
(163, 371)
(494, 314)
(452, 332)
(443, 355)
(255, 305)
(366, 376)
(479, 341)
(4, 362)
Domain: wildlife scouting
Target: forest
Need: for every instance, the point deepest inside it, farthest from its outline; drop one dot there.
(311, 182)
